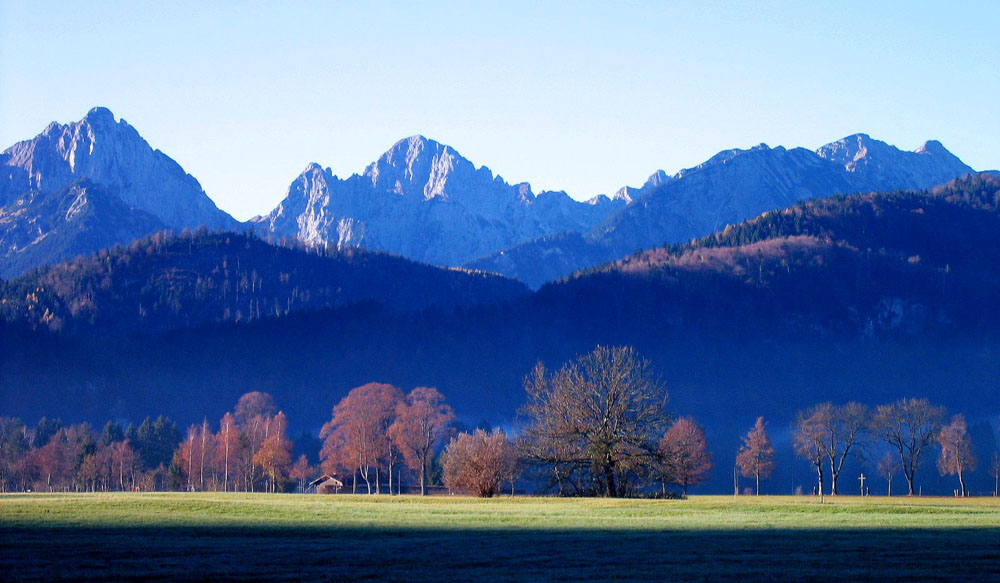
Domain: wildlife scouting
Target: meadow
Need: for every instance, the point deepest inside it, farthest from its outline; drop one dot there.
(268, 537)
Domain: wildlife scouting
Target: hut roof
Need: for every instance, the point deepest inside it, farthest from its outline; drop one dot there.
(324, 479)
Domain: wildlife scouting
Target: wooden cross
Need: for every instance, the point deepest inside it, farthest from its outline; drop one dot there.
(862, 478)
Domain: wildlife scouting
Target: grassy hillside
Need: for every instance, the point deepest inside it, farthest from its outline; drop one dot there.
(295, 537)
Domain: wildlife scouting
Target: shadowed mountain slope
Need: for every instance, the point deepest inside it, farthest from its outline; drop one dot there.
(164, 282)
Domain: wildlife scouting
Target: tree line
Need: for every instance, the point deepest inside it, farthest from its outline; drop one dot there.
(250, 451)
(897, 436)
(597, 426)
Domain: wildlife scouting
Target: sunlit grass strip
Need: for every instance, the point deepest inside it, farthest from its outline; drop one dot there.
(448, 512)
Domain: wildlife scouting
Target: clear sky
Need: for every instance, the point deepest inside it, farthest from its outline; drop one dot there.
(581, 96)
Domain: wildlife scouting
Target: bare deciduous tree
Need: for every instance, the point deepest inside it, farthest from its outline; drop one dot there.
(956, 451)
(836, 431)
(908, 426)
(478, 462)
(888, 465)
(602, 413)
(809, 442)
(756, 455)
(684, 456)
(846, 425)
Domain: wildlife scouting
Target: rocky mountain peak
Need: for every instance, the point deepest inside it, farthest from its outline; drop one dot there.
(657, 178)
(315, 168)
(100, 116)
(933, 147)
(114, 156)
(877, 165)
(849, 150)
(418, 167)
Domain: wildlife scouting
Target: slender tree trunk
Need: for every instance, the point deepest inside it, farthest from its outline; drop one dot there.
(423, 474)
(819, 481)
(378, 482)
(756, 476)
(204, 427)
(833, 478)
(225, 483)
(190, 462)
(909, 483)
(961, 483)
(890, 486)
(390, 477)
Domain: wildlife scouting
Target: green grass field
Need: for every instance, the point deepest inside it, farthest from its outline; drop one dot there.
(266, 537)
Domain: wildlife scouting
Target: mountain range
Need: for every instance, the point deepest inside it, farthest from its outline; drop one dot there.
(732, 186)
(866, 297)
(424, 201)
(80, 187)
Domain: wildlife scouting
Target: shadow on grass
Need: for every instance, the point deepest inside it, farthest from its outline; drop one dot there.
(264, 553)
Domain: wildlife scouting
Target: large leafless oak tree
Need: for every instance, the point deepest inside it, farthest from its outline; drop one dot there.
(601, 414)
(909, 426)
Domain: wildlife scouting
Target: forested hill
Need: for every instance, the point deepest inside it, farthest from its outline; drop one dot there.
(895, 262)
(165, 281)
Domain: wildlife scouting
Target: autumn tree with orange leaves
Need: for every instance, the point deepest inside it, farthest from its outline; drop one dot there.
(684, 456)
(275, 453)
(253, 410)
(357, 435)
(756, 455)
(956, 456)
(423, 419)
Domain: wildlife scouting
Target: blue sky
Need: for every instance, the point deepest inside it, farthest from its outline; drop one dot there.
(581, 96)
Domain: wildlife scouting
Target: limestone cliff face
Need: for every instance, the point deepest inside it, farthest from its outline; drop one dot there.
(423, 200)
(80, 187)
(114, 156)
(877, 166)
(732, 186)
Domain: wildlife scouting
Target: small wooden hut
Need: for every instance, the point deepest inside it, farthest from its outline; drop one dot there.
(326, 484)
